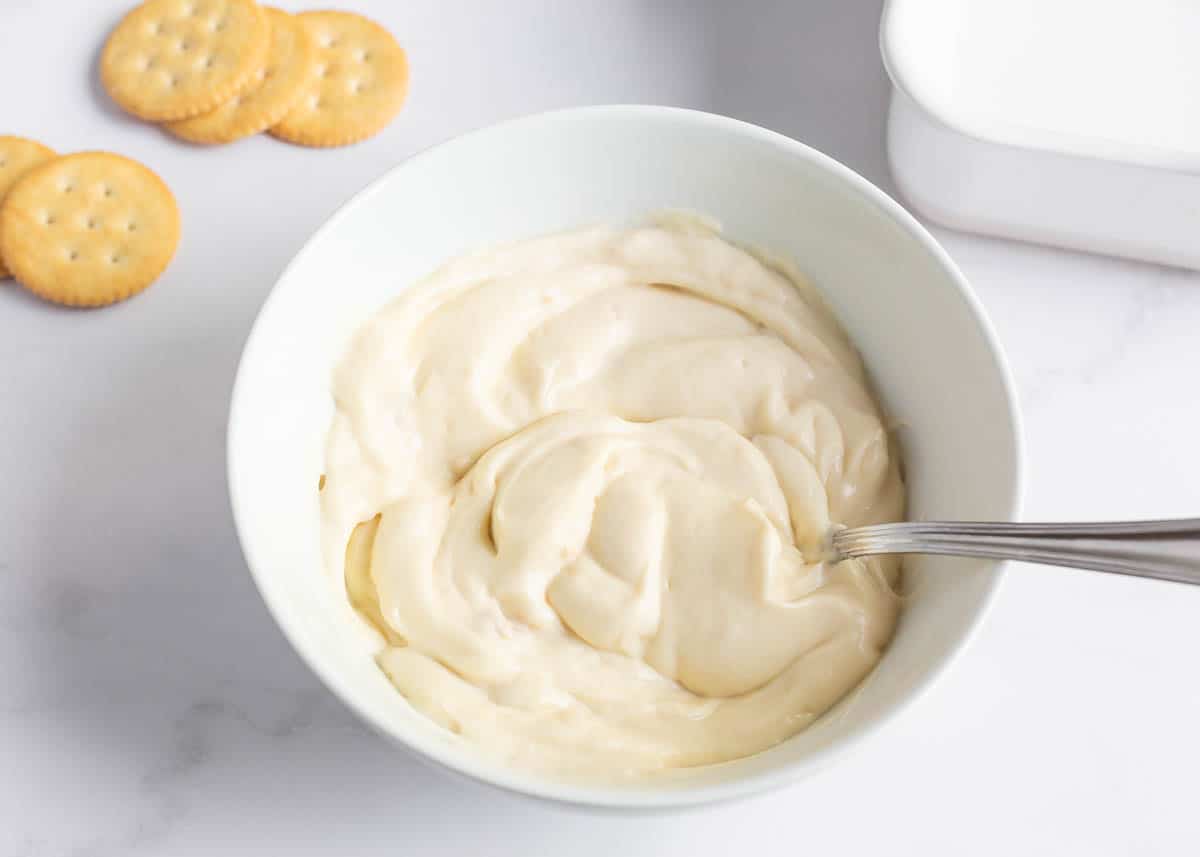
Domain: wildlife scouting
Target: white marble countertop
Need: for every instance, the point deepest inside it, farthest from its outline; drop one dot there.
(149, 706)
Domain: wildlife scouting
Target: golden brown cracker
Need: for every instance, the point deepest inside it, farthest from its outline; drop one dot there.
(88, 229)
(17, 157)
(289, 68)
(170, 59)
(360, 86)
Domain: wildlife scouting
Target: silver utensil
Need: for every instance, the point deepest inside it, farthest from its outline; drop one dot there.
(1164, 550)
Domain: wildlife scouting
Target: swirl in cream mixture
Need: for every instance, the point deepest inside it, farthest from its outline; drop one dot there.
(578, 486)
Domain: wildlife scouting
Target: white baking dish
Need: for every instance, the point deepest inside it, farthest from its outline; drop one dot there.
(1067, 122)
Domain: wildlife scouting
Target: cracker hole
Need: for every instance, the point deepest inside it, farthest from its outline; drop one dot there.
(72, 255)
(183, 46)
(131, 227)
(3, 162)
(218, 25)
(208, 62)
(108, 191)
(114, 258)
(356, 86)
(67, 187)
(48, 219)
(92, 223)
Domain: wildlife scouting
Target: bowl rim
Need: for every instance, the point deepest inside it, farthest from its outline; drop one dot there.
(644, 796)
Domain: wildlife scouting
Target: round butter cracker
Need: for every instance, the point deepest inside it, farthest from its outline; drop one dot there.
(278, 85)
(361, 82)
(170, 59)
(17, 157)
(88, 229)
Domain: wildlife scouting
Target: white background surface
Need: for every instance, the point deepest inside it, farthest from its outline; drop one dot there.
(148, 705)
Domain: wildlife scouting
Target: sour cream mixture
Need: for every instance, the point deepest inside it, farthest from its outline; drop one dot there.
(578, 487)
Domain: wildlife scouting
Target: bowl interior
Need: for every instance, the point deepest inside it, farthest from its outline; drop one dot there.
(924, 339)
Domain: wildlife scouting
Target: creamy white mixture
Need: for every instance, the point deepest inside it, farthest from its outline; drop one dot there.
(575, 483)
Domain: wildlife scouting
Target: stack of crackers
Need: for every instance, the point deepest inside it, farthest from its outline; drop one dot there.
(215, 71)
(87, 229)
(93, 228)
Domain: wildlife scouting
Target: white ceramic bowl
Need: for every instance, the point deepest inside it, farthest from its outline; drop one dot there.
(924, 337)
